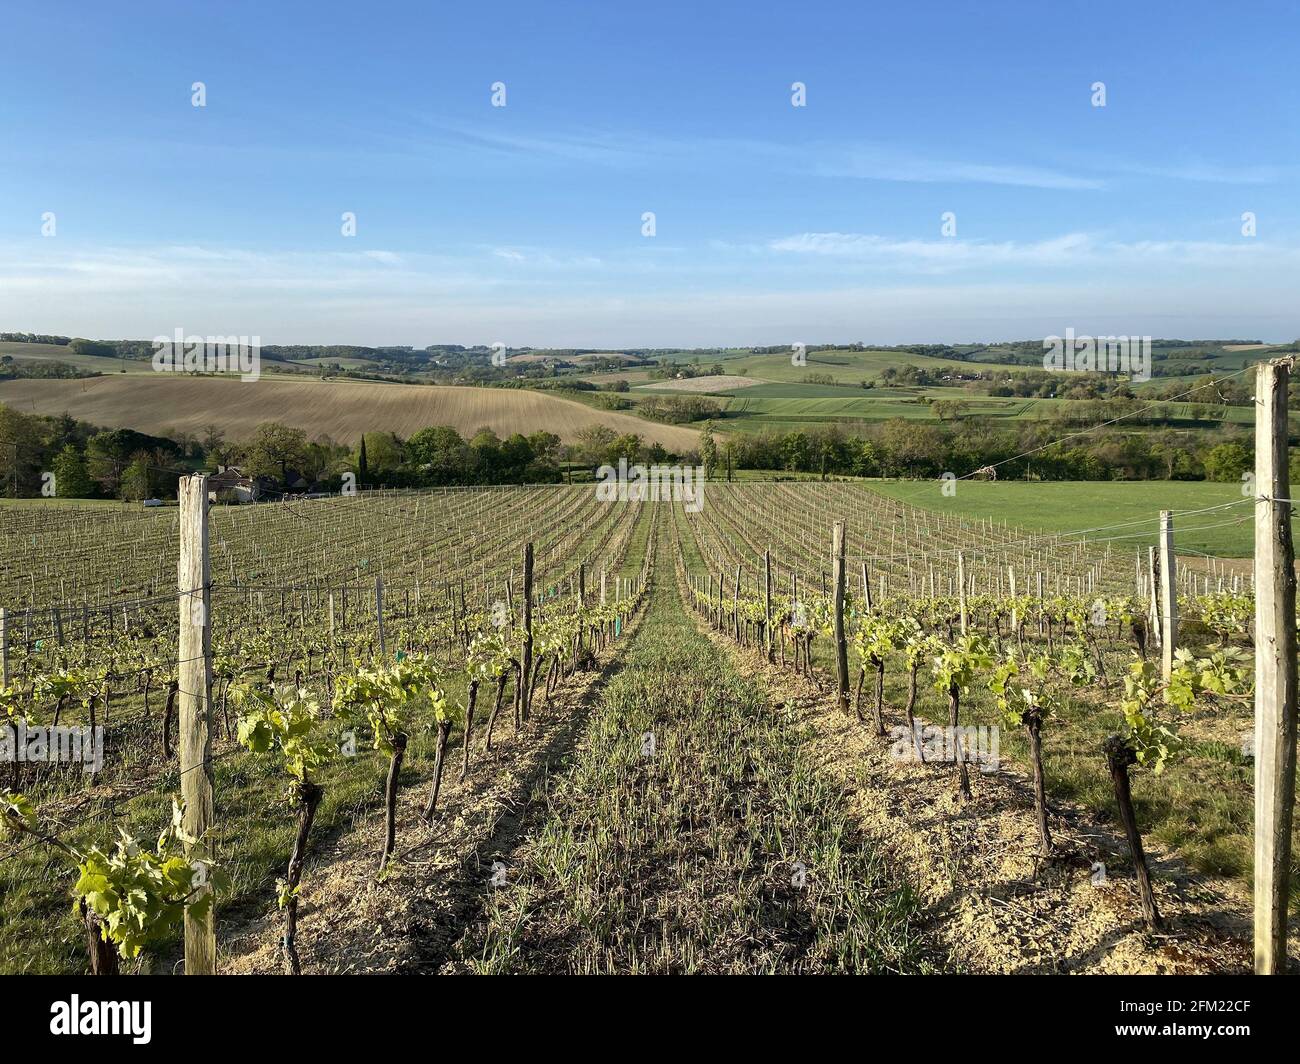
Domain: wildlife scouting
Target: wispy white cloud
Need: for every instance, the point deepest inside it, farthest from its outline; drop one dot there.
(546, 260)
(831, 159)
(1214, 173)
(951, 253)
(845, 159)
(1071, 249)
(882, 163)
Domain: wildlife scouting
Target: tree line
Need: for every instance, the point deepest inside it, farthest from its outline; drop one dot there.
(917, 449)
(89, 462)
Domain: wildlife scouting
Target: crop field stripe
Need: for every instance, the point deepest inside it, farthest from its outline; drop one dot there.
(720, 849)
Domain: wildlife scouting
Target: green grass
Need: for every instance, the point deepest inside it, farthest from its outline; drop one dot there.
(848, 367)
(856, 405)
(56, 353)
(345, 363)
(1067, 506)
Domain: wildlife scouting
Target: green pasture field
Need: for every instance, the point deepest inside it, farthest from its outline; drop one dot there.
(1069, 506)
(55, 353)
(847, 367)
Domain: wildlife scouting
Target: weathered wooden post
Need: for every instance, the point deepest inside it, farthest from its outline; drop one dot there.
(735, 606)
(1153, 606)
(1168, 596)
(379, 616)
(525, 681)
(1275, 669)
(194, 653)
(961, 588)
(841, 643)
(4, 649)
(1015, 614)
(767, 604)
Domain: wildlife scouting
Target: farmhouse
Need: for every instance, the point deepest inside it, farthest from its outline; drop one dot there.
(230, 485)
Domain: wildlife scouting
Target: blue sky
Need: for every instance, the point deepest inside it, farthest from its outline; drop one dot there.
(774, 223)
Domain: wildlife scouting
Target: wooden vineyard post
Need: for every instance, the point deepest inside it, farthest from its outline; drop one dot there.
(1153, 607)
(1015, 619)
(194, 652)
(1275, 670)
(379, 615)
(525, 682)
(735, 606)
(961, 588)
(1168, 596)
(331, 618)
(841, 644)
(866, 588)
(767, 604)
(4, 649)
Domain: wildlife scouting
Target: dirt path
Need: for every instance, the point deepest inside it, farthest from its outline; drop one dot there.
(693, 834)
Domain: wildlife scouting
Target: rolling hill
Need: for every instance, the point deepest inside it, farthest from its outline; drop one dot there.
(341, 410)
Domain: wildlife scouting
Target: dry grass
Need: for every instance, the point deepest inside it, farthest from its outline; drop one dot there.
(717, 383)
(341, 410)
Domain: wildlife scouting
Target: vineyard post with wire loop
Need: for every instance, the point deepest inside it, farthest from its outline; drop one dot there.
(1153, 606)
(195, 691)
(961, 588)
(1168, 596)
(1275, 669)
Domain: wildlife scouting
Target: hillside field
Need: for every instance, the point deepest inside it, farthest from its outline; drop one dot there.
(341, 410)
